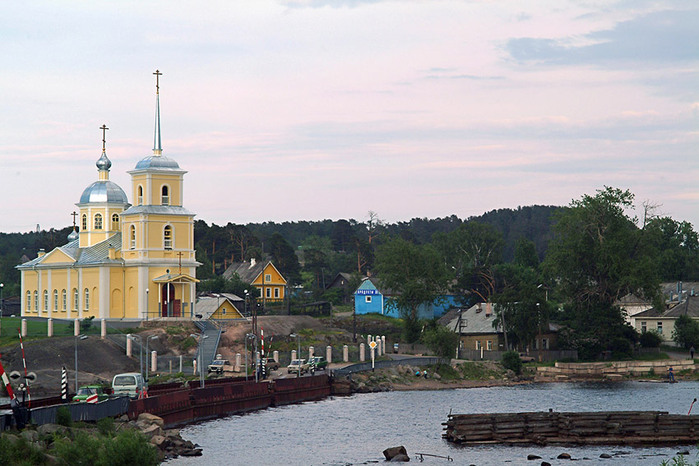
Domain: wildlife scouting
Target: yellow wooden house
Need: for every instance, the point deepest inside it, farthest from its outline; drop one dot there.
(220, 306)
(127, 261)
(264, 276)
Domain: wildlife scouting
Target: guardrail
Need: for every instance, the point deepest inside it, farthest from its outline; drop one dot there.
(366, 366)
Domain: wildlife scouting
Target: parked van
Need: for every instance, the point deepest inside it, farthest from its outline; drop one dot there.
(131, 384)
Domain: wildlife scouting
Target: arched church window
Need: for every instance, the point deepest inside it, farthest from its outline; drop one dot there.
(36, 301)
(167, 237)
(46, 300)
(28, 304)
(55, 300)
(83, 227)
(63, 300)
(87, 299)
(132, 237)
(165, 195)
(75, 299)
(115, 222)
(140, 195)
(98, 221)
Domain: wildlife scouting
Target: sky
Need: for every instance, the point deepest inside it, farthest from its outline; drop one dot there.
(312, 109)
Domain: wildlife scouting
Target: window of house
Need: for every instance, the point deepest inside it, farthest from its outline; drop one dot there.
(98, 221)
(140, 195)
(87, 299)
(268, 278)
(545, 343)
(223, 311)
(276, 292)
(644, 327)
(478, 344)
(36, 301)
(269, 292)
(167, 237)
(64, 300)
(489, 345)
(660, 327)
(75, 299)
(46, 300)
(132, 237)
(84, 223)
(55, 300)
(165, 196)
(115, 222)
(261, 294)
(367, 299)
(28, 304)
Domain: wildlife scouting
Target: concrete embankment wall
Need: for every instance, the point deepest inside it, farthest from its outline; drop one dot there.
(611, 370)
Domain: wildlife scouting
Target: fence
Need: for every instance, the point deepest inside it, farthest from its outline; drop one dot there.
(549, 355)
(366, 366)
(83, 411)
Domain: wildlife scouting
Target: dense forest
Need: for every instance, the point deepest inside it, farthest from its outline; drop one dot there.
(308, 252)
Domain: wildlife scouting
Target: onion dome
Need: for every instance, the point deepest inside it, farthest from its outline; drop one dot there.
(104, 191)
(73, 235)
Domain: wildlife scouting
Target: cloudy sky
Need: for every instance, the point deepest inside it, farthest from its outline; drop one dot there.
(313, 109)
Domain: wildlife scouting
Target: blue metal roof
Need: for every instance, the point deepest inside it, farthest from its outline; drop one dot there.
(157, 162)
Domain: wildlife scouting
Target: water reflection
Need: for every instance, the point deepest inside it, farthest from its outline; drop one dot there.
(356, 429)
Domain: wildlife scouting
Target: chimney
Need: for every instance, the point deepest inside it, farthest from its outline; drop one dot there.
(252, 262)
(488, 309)
(41, 253)
(112, 252)
(478, 308)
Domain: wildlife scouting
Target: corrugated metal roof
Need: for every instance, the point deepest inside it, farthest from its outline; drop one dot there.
(93, 255)
(157, 209)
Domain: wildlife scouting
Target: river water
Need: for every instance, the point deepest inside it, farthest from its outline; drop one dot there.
(355, 430)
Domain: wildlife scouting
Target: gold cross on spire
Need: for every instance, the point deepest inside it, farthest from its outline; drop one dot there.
(104, 136)
(157, 74)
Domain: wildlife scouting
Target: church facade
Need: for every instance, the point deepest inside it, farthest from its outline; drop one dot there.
(128, 261)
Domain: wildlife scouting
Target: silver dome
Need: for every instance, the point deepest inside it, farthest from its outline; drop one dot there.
(104, 191)
(157, 162)
(73, 235)
(104, 163)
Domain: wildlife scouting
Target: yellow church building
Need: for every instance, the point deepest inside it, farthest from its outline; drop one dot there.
(127, 261)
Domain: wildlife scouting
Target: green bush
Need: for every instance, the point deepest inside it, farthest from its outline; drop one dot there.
(650, 339)
(63, 417)
(127, 449)
(105, 426)
(512, 361)
(19, 451)
(441, 341)
(621, 348)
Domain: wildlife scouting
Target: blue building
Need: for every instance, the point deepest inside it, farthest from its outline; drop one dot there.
(371, 299)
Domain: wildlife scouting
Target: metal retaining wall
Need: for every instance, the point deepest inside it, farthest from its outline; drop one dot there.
(366, 366)
(83, 411)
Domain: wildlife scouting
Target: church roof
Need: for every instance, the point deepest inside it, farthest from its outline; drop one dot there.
(157, 209)
(157, 162)
(93, 255)
(104, 191)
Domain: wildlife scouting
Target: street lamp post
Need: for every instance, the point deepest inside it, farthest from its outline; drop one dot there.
(201, 337)
(147, 290)
(148, 339)
(249, 336)
(298, 353)
(140, 349)
(77, 337)
(2, 302)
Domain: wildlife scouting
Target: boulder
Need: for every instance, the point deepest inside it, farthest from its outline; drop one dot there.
(533, 457)
(400, 457)
(151, 419)
(545, 463)
(30, 435)
(159, 441)
(564, 456)
(605, 455)
(390, 453)
(192, 452)
(49, 429)
(151, 430)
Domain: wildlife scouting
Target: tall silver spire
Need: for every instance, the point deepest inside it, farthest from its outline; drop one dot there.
(157, 147)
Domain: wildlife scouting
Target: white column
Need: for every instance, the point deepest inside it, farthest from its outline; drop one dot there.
(129, 345)
(24, 327)
(103, 329)
(362, 352)
(238, 361)
(293, 354)
(329, 353)
(275, 356)
(345, 353)
(105, 292)
(154, 361)
(49, 327)
(76, 327)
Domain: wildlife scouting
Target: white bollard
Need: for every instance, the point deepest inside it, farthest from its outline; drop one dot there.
(24, 327)
(368, 339)
(154, 361)
(329, 353)
(383, 344)
(76, 327)
(362, 353)
(103, 329)
(293, 354)
(275, 356)
(311, 352)
(129, 345)
(49, 325)
(345, 353)
(238, 360)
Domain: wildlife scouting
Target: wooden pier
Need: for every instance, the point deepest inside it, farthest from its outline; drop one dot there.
(633, 428)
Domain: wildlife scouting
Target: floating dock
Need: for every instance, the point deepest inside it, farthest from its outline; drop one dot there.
(632, 428)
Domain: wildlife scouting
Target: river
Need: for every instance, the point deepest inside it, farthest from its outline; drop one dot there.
(355, 430)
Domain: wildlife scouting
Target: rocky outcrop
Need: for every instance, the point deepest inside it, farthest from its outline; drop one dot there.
(168, 441)
(396, 454)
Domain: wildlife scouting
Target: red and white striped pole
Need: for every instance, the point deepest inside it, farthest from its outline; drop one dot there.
(263, 363)
(8, 387)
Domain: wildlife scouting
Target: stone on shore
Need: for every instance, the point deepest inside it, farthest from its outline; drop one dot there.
(392, 452)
